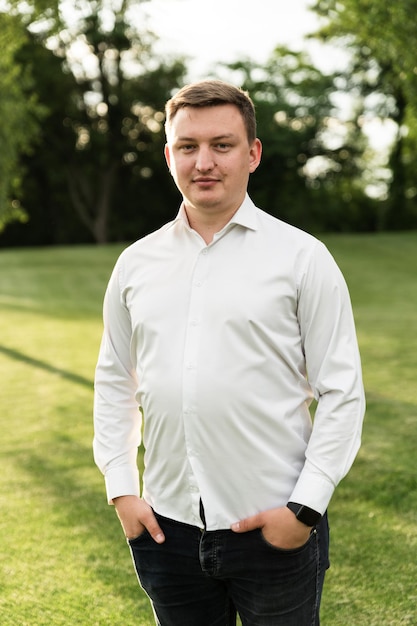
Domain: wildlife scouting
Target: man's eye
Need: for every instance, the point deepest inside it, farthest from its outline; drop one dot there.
(187, 148)
(223, 146)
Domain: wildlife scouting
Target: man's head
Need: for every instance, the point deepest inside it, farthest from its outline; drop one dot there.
(211, 148)
(209, 93)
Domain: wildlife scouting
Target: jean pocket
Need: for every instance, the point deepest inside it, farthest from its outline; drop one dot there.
(297, 550)
(136, 540)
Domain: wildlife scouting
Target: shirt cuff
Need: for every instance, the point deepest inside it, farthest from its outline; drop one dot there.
(122, 481)
(314, 490)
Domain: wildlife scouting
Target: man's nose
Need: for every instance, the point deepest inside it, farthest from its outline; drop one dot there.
(205, 160)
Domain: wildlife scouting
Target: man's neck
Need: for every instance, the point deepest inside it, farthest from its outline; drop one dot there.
(207, 225)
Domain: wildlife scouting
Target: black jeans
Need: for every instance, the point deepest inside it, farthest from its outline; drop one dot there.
(203, 578)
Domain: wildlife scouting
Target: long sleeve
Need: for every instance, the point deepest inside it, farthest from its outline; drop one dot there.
(334, 373)
(117, 418)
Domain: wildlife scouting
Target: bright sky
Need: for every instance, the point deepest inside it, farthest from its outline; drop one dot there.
(227, 30)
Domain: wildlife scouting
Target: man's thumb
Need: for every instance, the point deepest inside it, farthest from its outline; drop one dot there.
(155, 531)
(249, 523)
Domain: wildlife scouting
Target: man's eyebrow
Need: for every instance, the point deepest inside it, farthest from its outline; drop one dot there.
(217, 138)
(225, 136)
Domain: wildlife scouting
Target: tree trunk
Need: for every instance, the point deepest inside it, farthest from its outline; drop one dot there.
(93, 205)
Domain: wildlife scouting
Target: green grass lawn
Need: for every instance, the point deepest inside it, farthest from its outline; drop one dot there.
(63, 556)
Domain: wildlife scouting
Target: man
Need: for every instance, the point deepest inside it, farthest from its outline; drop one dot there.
(222, 327)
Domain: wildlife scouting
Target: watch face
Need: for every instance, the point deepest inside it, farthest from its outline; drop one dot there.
(308, 517)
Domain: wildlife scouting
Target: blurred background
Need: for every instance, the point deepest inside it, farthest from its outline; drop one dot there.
(83, 86)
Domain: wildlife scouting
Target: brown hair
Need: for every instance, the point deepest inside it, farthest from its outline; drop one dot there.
(208, 93)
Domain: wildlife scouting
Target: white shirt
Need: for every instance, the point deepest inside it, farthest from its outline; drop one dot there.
(223, 347)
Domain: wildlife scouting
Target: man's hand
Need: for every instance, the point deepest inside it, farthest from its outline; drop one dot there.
(279, 526)
(135, 515)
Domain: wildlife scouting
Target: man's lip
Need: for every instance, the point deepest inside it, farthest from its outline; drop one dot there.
(205, 180)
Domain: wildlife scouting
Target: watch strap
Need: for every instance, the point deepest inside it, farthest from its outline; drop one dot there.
(304, 514)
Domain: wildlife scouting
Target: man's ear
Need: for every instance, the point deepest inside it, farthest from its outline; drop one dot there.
(255, 155)
(167, 156)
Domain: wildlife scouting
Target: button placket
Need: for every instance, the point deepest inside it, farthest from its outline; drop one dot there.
(190, 363)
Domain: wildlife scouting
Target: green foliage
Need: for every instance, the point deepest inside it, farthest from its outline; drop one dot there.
(387, 30)
(103, 125)
(309, 175)
(382, 40)
(20, 113)
(64, 559)
(117, 120)
(84, 94)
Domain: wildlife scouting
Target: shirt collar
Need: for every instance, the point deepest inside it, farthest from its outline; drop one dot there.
(245, 215)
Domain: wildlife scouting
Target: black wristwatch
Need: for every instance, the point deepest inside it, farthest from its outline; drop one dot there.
(304, 514)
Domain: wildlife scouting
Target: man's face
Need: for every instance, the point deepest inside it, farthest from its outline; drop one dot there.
(210, 158)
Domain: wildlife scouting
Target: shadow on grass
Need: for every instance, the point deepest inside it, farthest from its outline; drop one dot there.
(24, 358)
(69, 486)
(90, 308)
(61, 471)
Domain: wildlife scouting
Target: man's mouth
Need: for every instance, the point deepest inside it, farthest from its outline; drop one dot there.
(205, 180)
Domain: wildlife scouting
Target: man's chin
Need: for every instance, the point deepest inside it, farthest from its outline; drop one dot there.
(204, 203)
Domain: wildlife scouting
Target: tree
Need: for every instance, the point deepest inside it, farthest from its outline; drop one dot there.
(104, 91)
(383, 69)
(19, 112)
(120, 111)
(388, 32)
(312, 164)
